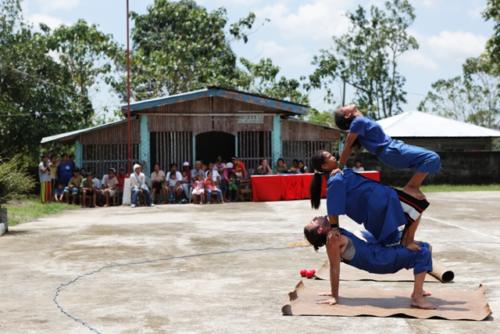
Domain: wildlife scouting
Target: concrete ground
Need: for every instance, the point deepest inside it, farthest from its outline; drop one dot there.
(233, 292)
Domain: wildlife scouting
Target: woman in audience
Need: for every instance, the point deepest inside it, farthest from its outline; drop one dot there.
(295, 169)
(281, 167)
(264, 168)
(186, 180)
(174, 185)
(157, 182)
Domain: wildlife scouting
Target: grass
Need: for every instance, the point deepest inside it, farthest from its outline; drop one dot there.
(28, 209)
(460, 187)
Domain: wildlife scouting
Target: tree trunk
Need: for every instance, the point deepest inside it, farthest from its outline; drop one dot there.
(4, 228)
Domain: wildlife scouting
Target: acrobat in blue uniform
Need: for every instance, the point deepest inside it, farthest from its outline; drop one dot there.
(367, 202)
(378, 259)
(393, 153)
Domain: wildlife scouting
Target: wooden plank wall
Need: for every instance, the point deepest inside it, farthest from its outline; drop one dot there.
(297, 130)
(116, 134)
(200, 124)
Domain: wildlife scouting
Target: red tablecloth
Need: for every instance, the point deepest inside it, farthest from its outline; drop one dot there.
(289, 186)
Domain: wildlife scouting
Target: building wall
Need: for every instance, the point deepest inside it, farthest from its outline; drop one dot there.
(452, 144)
(456, 168)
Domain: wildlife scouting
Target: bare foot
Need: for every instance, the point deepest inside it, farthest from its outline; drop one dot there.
(415, 192)
(420, 302)
(330, 301)
(424, 294)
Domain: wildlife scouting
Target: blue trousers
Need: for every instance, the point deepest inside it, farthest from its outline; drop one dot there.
(379, 259)
(218, 192)
(399, 155)
(135, 196)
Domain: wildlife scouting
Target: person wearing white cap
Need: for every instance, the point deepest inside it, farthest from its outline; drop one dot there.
(138, 185)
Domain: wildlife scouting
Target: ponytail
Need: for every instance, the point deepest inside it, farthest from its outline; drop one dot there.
(317, 182)
(316, 185)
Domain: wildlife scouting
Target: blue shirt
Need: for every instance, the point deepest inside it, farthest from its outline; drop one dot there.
(370, 133)
(65, 172)
(366, 202)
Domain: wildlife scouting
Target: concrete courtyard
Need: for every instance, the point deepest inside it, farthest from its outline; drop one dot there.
(206, 269)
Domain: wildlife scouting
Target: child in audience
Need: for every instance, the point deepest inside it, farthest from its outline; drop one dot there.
(212, 188)
(198, 192)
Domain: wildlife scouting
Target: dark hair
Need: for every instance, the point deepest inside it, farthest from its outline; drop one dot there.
(317, 161)
(342, 122)
(314, 238)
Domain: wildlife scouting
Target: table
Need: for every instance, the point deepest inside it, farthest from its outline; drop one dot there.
(284, 187)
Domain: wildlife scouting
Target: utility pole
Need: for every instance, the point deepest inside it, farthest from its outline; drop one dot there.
(129, 126)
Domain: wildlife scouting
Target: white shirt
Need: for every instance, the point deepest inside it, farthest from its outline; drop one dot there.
(43, 172)
(138, 181)
(178, 176)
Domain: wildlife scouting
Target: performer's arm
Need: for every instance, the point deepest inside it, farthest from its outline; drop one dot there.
(351, 138)
(333, 246)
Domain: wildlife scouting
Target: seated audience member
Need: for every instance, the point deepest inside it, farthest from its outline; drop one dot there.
(109, 185)
(358, 166)
(233, 188)
(73, 188)
(215, 174)
(88, 188)
(174, 184)
(186, 180)
(240, 169)
(280, 167)
(198, 192)
(157, 182)
(59, 193)
(302, 167)
(264, 168)
(295, 169)
(197, 170)
(138, 186)
(219, 164)
(211, 188)
(121, 176)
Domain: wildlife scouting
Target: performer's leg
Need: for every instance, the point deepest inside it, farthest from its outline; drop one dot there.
(408, 238)
(418, 297)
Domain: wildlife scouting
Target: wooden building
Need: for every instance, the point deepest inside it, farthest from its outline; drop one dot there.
(201, 125)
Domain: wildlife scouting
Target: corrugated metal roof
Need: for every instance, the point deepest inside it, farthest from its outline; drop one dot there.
(292, 107)
(420, 124)
(70, 134)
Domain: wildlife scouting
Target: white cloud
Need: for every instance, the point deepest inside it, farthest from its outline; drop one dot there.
(454, 44)
(49, 20)
(427, 3)
(286, 57)
(316, 19)
(418, 59)
(50, 5)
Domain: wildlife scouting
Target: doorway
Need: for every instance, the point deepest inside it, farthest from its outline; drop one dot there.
(209, 145)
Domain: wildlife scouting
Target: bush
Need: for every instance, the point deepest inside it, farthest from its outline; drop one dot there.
(14, 180)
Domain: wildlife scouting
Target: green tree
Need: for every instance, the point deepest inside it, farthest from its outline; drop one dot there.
(472, 97)
(263, 78)
(367, 58)
(180, 46)
(37, 94)
(88, 55)
(492, 12)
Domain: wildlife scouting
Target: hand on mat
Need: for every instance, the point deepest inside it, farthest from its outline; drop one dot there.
(330, 301)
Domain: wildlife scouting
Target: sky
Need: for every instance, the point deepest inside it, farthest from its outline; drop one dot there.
(448, 32)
